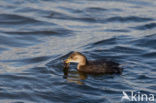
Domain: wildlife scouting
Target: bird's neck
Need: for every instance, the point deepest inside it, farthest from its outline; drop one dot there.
(83, 62)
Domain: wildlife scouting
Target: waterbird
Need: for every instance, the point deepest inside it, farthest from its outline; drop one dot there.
(93, 67)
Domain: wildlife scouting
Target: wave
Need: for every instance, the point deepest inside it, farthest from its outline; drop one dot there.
(146, 26)
(15, 19)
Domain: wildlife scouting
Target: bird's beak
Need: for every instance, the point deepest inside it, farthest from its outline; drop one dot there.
(67, 61)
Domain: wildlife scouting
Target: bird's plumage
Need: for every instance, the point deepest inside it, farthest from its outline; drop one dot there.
(94, 67)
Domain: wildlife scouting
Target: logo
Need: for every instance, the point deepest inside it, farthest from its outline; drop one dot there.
(137, 96)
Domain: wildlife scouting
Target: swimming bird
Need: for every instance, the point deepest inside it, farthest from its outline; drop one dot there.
(93, 67)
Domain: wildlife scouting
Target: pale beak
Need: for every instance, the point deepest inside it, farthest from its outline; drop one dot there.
(67, 61)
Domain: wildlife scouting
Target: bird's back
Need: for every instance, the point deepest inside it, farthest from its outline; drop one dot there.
(101, 67)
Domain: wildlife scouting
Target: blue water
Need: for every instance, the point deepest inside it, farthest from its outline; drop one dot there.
(36, 35)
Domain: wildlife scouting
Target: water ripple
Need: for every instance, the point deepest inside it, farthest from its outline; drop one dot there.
(146, 26)
(146, 41)
(128, 19)
(15, 19)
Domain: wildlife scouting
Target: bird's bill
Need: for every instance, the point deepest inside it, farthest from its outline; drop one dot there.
(67, 61)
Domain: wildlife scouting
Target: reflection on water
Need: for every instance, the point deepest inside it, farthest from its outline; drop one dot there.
(35, 36)
(76, 77)
(73, 76)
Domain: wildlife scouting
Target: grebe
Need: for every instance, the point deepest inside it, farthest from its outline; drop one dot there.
(93, 67)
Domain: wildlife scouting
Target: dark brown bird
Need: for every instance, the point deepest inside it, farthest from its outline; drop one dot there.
(93, 67)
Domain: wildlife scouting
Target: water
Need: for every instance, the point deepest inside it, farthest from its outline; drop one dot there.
(36, 35)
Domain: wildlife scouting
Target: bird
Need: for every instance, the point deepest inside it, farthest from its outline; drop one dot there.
(93, 67)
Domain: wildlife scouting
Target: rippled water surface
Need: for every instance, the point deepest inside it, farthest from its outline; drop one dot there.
(36, 35)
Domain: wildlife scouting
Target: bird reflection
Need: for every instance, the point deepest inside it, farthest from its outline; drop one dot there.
(73, 76)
